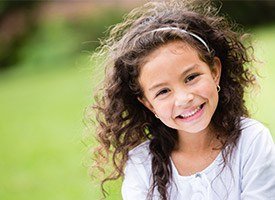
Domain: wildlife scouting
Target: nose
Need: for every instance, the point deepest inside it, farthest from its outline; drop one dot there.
(183, 98)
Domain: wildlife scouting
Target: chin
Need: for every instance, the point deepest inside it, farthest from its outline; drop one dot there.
(195, 129)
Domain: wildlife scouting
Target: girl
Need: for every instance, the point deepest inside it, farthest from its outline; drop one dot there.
(172, 114)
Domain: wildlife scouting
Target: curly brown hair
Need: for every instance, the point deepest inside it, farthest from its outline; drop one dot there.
(123, 122)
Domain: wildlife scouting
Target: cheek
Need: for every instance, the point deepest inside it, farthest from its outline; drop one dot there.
(163, 109)
(213, 96)
(208, 90)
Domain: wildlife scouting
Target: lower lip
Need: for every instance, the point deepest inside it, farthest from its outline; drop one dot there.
(193, 117)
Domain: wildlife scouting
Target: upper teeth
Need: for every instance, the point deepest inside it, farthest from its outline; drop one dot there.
(191, 113)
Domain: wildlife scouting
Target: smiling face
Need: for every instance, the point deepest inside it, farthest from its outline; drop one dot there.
(179, 87)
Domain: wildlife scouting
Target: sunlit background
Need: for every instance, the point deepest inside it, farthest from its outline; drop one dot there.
(47, 80)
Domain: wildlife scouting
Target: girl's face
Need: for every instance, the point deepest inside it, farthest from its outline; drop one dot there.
(179, 87)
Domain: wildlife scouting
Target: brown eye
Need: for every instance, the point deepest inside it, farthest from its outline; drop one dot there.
(164, 91)
(191, 77)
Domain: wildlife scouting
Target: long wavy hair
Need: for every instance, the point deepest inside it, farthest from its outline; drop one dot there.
(123, 122)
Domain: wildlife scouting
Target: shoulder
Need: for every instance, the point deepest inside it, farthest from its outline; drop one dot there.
(255, 141)
(137, 172)
(248, 124)
(141, 153)
(257, 161)
(253, 131)
(139, 162)
(141, 148)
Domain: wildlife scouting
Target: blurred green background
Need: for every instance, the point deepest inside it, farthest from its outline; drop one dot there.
(47, 80)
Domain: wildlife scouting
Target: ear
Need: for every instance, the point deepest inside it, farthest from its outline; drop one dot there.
(216, 70)
(146, 103)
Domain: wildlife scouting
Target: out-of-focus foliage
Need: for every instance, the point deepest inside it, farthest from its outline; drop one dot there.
(57, 43)
(20, 28)
(249, 13)
(9, 5)
(16, 24)
(44, 42)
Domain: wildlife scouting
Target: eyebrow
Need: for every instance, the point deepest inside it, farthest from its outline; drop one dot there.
(192, 67)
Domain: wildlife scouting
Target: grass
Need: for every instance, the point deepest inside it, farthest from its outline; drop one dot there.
(41, 132)
(41, 127)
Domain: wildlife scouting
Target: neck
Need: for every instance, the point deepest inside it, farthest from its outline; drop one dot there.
(193, 143)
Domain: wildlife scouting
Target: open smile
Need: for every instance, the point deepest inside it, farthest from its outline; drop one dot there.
(195, 113)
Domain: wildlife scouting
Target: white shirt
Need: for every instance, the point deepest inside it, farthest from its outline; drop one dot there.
(252, 176)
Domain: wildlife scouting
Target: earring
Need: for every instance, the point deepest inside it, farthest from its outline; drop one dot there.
(218, 88)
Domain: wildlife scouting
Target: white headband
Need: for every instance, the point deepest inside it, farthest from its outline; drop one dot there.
(183, 31)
